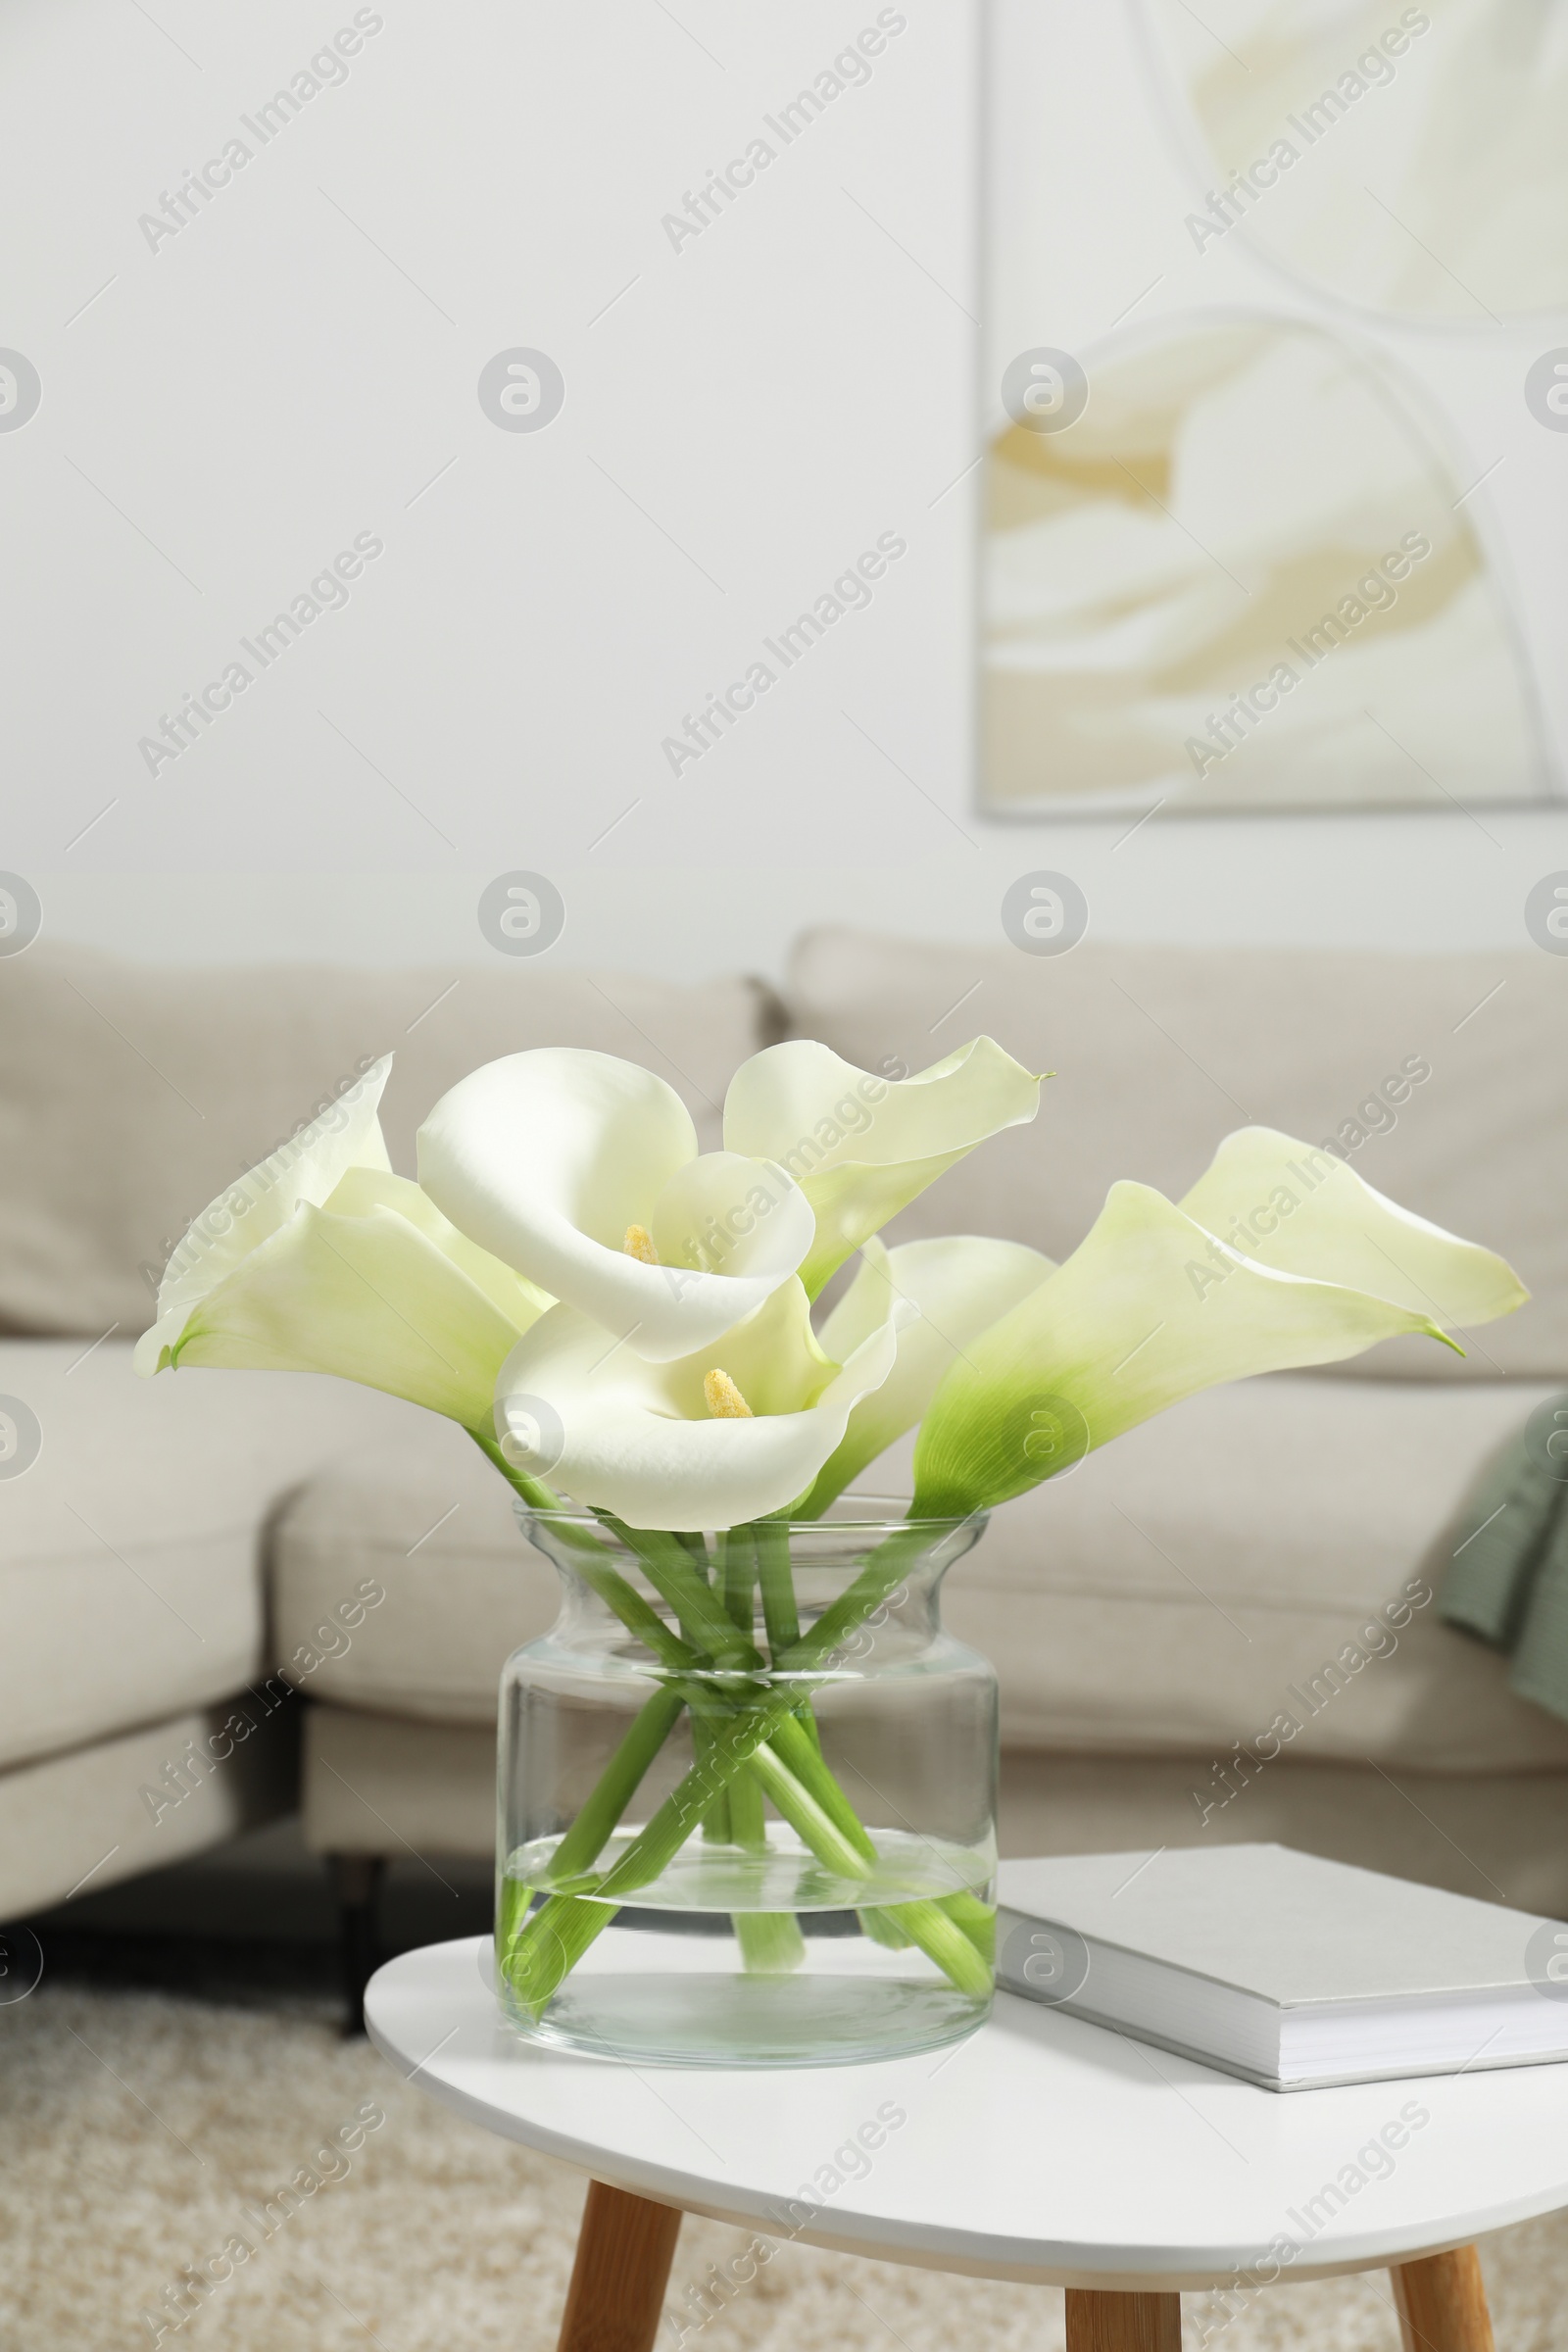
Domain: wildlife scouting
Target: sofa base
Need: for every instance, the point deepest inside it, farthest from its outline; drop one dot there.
(379, 1785)
(80, 1820)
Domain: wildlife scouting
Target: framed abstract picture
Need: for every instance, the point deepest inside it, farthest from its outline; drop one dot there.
(1275, 506)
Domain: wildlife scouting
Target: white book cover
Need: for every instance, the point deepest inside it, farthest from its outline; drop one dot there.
(1283, 1967)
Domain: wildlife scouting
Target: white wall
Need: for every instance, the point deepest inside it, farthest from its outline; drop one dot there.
(742, 418)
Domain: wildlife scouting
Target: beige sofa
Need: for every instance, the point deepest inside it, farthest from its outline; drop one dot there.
(141, 1718)
(1262, 1553)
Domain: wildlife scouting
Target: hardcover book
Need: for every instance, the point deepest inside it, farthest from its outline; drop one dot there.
(1283, 1968)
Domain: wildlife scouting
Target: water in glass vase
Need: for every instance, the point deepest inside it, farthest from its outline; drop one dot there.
(801, 1826)
(769, 1959)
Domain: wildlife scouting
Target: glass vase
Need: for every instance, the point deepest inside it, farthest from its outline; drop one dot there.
(760, 1747)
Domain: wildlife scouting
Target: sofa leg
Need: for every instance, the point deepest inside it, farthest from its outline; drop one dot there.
(356, 1884)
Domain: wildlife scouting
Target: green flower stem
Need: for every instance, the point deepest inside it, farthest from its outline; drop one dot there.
(779, 1945)
(781, 1614)
(636, 1615)
(882, 1928)
(717, 1821)
(975, 1918)
(795, 1747)
(894, 1923)
(747, 1822)
(739, 1801)
(598, 1572)
(553, 1942)
(737, 1564)
(617, 1784)
(926, 1923)
(545, 1952)
(811, 1820)
(516, 1898)
(770, 1941)
(943, 1940)
(669, 1827)
(596, 1567)
(534, 1491)
(881, 1574)
(669, 1570)
(978, 1920)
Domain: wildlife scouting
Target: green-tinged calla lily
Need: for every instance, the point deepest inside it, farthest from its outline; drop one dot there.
(859, 1146)
(376, 1287)
(322, 1260)
(729, 1434)
(1154, 1305)
(958, 1288)
(1308, 1212)
(582, 1171)
(346, 1135)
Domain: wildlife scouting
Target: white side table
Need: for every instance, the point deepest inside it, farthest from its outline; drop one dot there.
(1041, 2148)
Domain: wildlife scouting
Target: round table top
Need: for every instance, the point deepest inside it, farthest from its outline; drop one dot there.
(1040, 2148)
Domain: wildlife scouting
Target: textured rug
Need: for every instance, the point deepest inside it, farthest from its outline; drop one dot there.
(137, 2128)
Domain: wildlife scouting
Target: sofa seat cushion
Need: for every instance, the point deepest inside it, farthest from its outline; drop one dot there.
(1451, 1070)
(1269, 1550)
(1175, 1595)
(129, 1095)
(430, 1527)
(130, 1548)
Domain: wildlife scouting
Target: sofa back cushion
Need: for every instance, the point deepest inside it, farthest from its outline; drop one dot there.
(129, 1095)
(1443, 1080)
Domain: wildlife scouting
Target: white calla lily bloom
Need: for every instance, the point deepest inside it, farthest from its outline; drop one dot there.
(953, 1289)
(1305, 1211)
(711, 1439)
(304, 1169)
(1279, 1257)
(582, 1173)
(860, 1145)
(322, 1260)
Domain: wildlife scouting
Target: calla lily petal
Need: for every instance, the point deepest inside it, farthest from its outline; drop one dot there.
(375, 1287)
(519, 1302)
(861, 1147)
(639, 1438)
(742, 1218)
(959, 1287)
(307, 1169)
(550, 1160)
(1305, 1211)
(1150, 1308)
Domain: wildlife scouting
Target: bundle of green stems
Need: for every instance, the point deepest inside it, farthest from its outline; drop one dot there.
(754, 1736)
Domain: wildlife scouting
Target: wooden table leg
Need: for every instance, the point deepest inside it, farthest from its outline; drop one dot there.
(1111, 2322)
(1441, 2303)
(624, 2250)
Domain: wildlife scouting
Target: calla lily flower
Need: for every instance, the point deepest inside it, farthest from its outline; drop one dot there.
(322, 1260)
(346, 1135)
(861, 1147)
(1157, 1303)
(582, 1173)
(958, 1288)
(1308, 1212)
(711, 1439)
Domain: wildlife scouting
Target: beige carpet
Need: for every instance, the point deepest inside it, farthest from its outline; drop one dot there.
(134, 2128)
